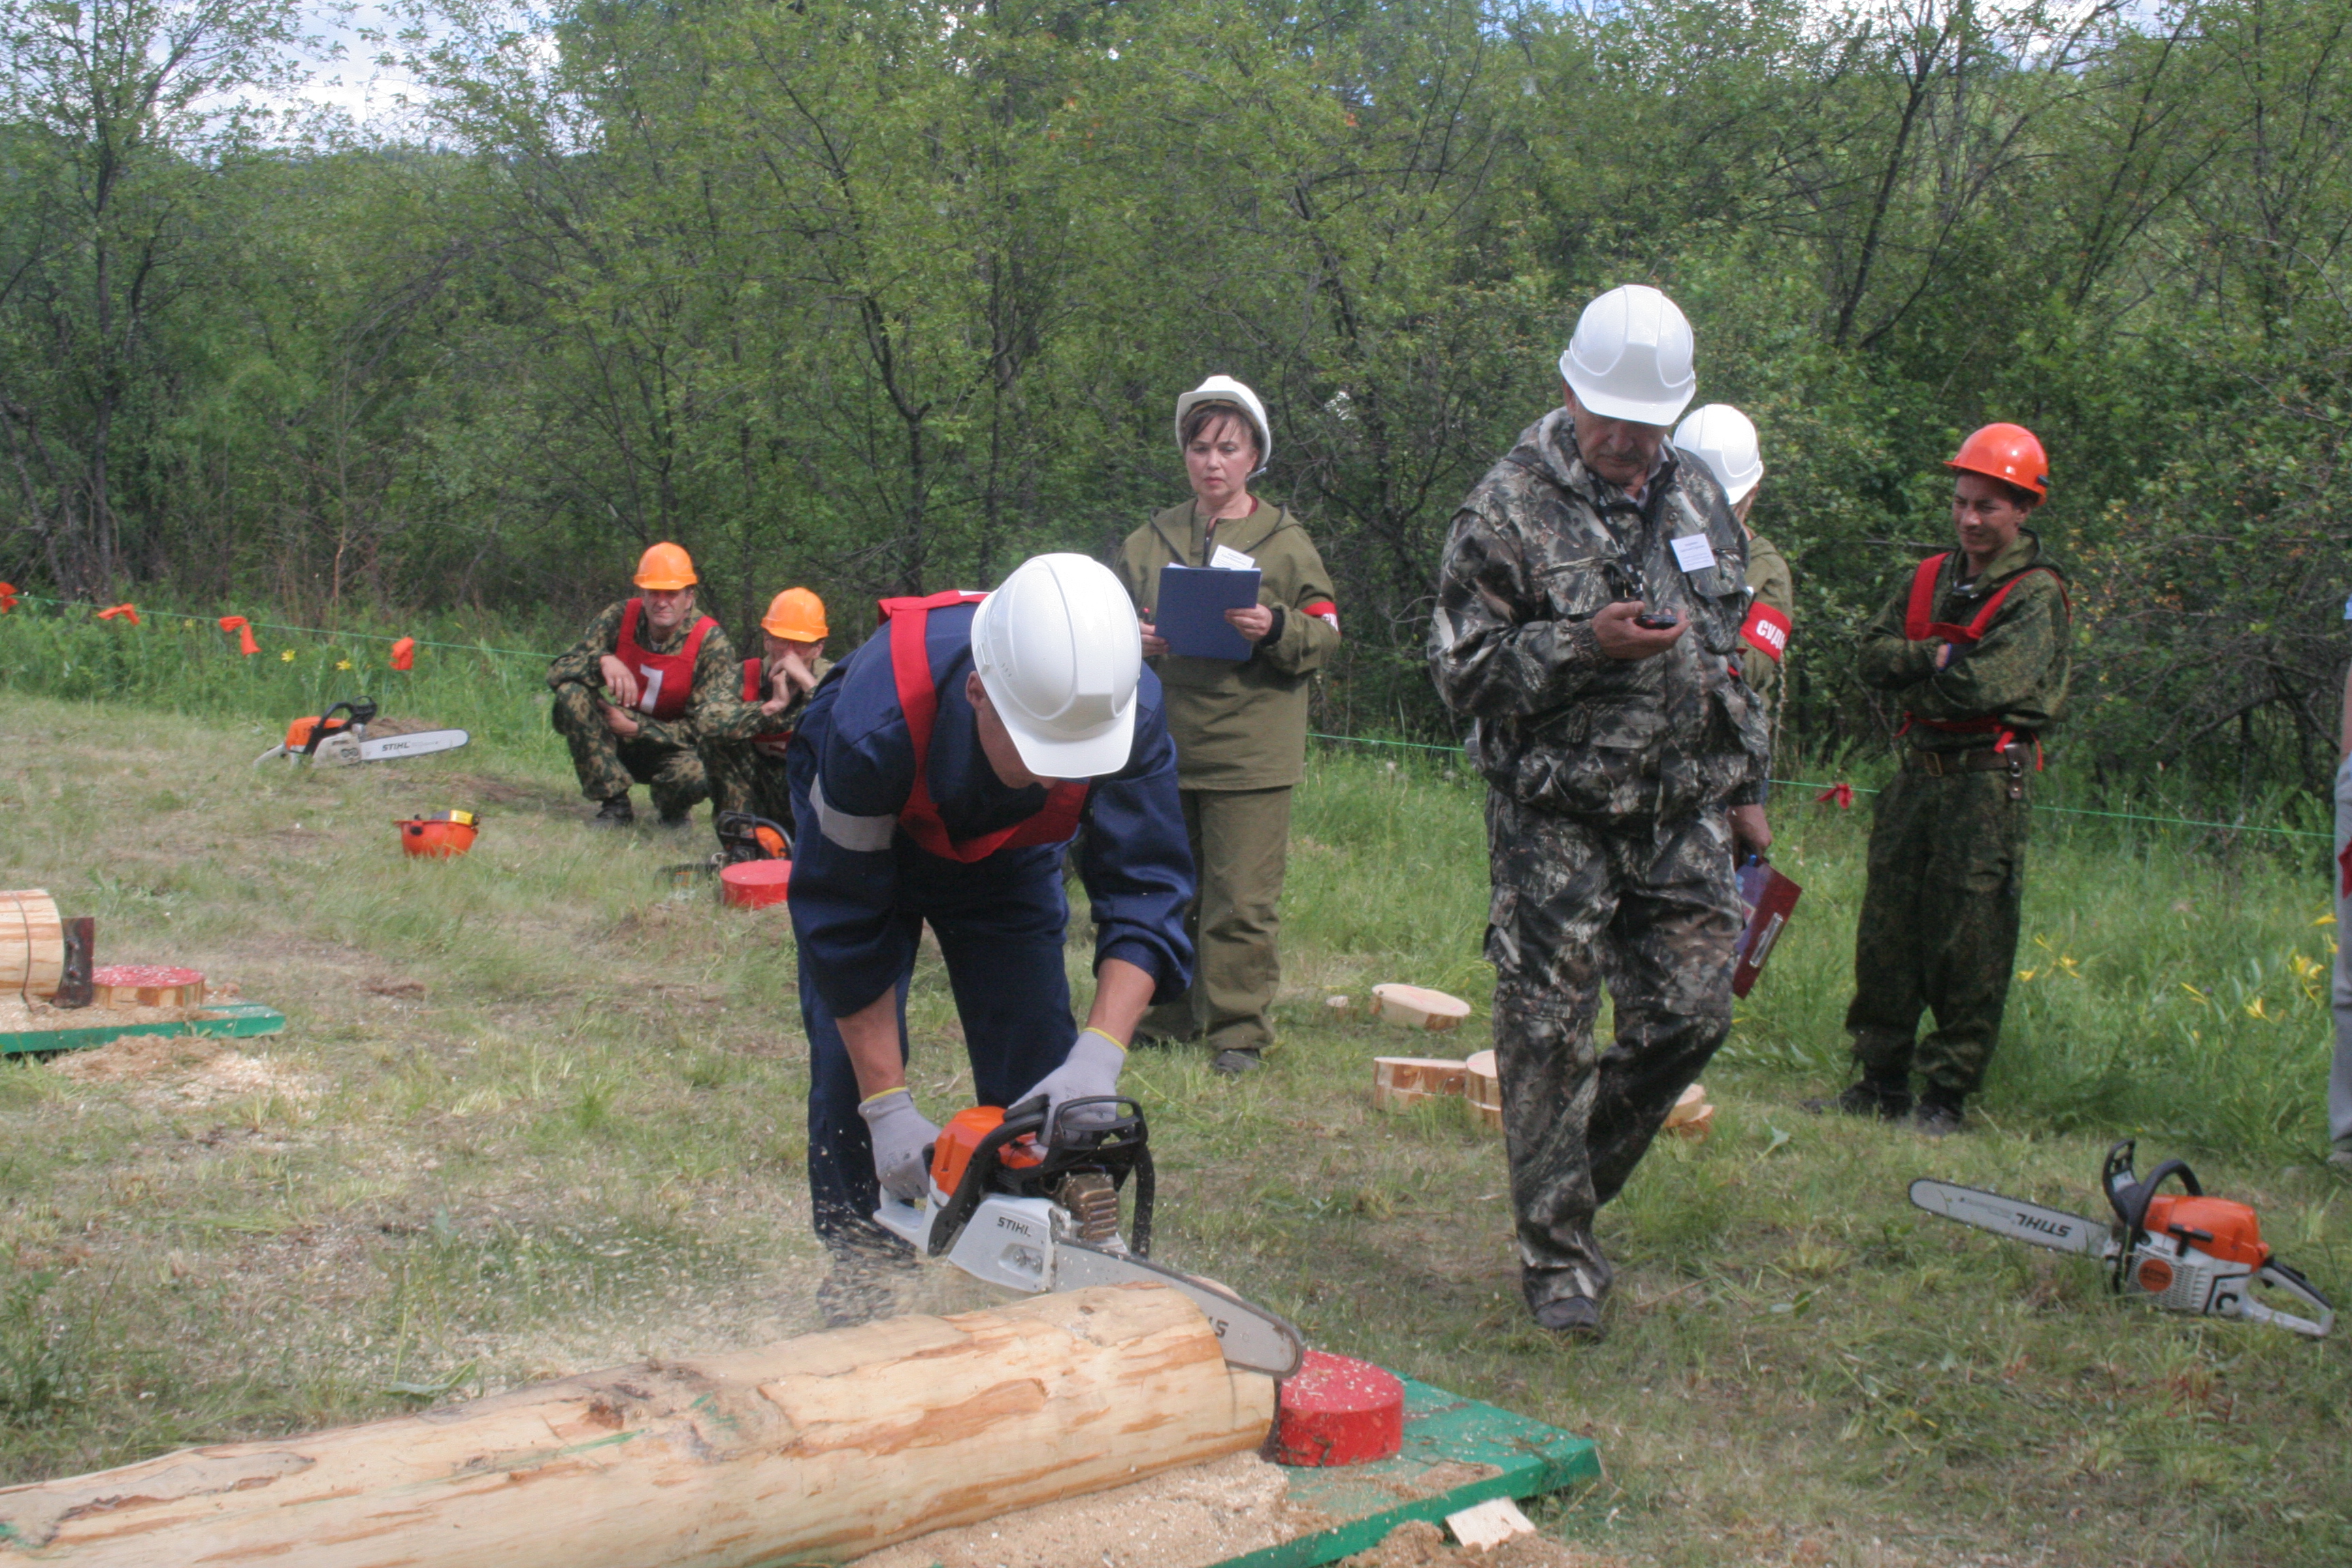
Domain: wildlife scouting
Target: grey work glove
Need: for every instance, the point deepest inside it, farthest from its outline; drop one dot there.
(901, 1134)
(1091, 1068)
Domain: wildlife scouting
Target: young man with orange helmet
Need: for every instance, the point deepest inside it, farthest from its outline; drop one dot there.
(743, 738)
(628, 694)
(1974, 646)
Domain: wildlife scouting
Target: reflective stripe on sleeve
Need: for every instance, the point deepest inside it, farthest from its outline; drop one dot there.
(860, 834)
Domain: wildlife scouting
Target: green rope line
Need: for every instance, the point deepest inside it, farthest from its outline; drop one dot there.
(1312, 734)
(1864, 789)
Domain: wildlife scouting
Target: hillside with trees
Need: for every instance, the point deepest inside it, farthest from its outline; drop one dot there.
(886, 297)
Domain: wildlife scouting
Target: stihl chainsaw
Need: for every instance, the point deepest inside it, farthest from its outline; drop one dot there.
(327, 742)
(1034, 1204)
(2184, 1251)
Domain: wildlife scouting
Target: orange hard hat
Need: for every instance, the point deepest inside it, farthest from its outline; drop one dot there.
(666, 565)
(2009, 453)
(796, 615)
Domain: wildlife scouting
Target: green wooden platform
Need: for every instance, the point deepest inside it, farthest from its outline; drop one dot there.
(231, 1019)
(1440, 1429)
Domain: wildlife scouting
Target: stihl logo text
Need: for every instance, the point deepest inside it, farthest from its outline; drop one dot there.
(2035, 1222)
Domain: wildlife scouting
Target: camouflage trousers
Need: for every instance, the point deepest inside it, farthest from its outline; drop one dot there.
(1650, 910)
(608, 765)
(1938, 928)
(745, 778)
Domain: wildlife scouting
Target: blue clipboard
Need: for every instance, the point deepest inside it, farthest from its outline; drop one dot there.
(1192, 611)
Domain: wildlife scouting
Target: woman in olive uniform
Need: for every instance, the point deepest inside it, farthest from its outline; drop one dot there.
(1240, 728)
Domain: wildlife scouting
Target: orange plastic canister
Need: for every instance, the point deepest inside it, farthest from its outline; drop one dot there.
(755, 884)
(438, 836)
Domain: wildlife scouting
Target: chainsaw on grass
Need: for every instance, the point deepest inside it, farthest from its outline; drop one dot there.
(327, 742)
(2184, 1251)
(1032, 1201)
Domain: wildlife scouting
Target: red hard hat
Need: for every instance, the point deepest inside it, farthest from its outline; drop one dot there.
(2009, 453)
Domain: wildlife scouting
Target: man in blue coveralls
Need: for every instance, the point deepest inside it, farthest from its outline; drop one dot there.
(936, 775)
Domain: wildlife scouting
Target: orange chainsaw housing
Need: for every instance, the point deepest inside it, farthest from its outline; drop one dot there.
(2216, 1226)
(952, 1156)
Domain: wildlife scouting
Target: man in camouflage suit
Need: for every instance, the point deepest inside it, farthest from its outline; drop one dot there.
(743, 740)
(629, 692)
(1975, 646)
(1623, 759)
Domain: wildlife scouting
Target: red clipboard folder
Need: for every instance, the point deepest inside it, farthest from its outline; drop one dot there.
(1770, 899)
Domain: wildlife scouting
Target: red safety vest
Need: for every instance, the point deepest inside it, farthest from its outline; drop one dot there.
(755, 672)
(665, 681)
(918, 698)
(1919, 625)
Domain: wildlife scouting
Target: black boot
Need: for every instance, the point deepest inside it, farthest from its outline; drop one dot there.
(1939, 1114)
(1888, 1098)
(614, 812)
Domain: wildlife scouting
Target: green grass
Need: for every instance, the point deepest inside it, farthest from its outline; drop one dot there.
(531, 1114)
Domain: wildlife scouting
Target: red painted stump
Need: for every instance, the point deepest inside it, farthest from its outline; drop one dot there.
(146, 985)
(1339, 1412)
(755, 884)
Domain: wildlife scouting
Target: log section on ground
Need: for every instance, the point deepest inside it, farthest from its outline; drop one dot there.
(814, 1449)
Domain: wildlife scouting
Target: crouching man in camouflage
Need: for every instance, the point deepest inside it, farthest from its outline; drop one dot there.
(1588, 625)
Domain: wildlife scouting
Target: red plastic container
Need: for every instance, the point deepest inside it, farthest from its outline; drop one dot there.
(438, 836)
(755, 884)
(1339, 1411)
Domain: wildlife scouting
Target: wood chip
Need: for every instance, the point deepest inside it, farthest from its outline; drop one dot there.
(1483, 1526)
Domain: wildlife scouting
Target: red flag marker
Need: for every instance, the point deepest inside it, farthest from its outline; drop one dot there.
(1840, 792)
(7, 597)
(126, 611)
(403, 654)
(243, 630)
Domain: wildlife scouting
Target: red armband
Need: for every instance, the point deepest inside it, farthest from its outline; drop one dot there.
(1766, 630)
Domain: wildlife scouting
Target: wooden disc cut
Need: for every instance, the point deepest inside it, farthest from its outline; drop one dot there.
(1339, 1411)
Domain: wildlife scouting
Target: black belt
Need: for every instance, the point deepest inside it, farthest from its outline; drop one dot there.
(1943, 764)
(1937, 765)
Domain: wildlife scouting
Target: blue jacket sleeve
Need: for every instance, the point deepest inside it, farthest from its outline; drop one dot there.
(1134, 861)
(845, 874)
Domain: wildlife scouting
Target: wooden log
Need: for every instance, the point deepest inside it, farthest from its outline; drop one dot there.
(32, 943)
(1398, 1083)
(1483, 1088)
(814, 1449)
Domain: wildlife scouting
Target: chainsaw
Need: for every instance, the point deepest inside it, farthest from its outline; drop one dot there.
(324, 741)
(2184, 1251)
(1032, 1201)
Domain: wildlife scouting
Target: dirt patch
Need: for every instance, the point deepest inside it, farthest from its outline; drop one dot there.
(1184, 1519)
(183, 1070)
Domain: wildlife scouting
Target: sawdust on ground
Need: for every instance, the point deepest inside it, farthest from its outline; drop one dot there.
(1190, 1518)
(183, 1070)
(1194, 1518)
(20, 1014)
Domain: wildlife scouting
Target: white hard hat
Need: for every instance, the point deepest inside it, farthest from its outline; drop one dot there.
(1058, 650)
(1225, 389)
(1723, 438)
(1630, 357)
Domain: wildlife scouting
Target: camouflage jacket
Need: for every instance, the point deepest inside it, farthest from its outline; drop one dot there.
(1538, 548)
(2013, 678)
(717, 674)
